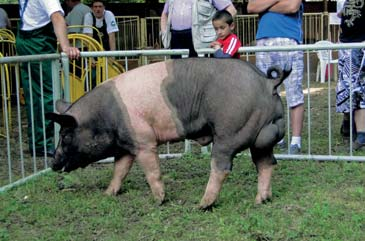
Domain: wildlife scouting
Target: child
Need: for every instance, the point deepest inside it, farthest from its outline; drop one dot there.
(227, 44)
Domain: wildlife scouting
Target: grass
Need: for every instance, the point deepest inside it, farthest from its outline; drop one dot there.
(311, 200)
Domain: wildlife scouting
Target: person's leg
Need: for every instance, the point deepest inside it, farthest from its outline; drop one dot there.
(295, 98)
(296, 117)
(33, 87)
(343, 93)
(358, 58)
(293, 88)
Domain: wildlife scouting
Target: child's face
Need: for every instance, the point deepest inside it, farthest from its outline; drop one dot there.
(222, 28)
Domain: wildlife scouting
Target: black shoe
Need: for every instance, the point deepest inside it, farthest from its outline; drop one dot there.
(40, 152)
(356, 145)
(345, 130)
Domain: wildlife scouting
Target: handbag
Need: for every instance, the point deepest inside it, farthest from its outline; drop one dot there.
(166, 36)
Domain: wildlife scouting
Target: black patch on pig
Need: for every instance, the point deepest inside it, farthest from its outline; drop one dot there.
(204, 92)
(93, 128)
(107, 115)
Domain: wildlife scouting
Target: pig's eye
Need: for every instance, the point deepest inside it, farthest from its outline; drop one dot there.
(67, 139)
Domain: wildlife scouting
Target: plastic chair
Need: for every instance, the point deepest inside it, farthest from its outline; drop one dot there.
(87, 73)
(6, 34)
(325, 61)
(78, 29)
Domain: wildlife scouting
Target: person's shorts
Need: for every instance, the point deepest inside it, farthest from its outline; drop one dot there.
(293, 84)
(350, 60)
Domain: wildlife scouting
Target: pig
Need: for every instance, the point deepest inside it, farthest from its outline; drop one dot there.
(227, 102)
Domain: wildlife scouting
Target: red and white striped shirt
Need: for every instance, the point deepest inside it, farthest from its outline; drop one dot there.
(230, 45)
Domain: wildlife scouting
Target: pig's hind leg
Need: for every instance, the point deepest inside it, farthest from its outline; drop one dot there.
(226, 145)
(121, 169)
(264, 161)
(221, 166)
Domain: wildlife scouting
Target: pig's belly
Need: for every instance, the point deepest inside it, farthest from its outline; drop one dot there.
(149, 114)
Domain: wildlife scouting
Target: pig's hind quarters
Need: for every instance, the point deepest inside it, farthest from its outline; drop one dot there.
(270, 134)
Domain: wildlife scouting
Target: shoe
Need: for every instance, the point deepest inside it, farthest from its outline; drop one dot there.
(294, 149)
(345, 130)
(356, 145)
(281, 145)
(40, 152)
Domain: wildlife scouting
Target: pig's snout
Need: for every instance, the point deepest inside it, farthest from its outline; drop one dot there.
(56, 166)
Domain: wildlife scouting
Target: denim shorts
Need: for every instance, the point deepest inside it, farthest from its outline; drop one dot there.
(350, 60)
(293, 84)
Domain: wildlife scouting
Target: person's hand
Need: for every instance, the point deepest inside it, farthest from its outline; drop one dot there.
(72, 52)
(215, 45)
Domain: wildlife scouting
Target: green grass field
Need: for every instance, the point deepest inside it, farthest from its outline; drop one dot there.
(311, 200)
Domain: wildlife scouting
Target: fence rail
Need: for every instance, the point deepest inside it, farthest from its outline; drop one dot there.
(143, 33)
(16, 164)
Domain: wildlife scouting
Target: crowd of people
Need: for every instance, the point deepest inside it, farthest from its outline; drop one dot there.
(192, 25)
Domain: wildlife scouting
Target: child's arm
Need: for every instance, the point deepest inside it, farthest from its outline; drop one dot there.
(219, 54)
(230, 48)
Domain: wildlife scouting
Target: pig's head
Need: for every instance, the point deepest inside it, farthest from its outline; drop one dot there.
(79, 144)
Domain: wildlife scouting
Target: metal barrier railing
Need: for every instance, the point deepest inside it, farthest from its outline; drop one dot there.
(17, 166)
(143, 33)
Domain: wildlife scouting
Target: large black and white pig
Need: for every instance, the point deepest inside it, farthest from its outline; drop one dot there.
(227, 102)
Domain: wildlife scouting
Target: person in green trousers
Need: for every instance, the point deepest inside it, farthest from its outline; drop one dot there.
(41, 24)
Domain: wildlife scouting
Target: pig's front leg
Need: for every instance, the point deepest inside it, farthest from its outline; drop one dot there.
(150, 163)
(264, 161)
(121, 169)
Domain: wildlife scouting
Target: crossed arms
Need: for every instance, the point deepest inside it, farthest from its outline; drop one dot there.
(279, 6)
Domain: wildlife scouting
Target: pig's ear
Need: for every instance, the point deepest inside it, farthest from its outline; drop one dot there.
(63, 120)
(62, 106)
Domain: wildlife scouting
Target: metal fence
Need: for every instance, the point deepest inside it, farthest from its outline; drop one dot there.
(143, 33)
(246, 27)
(17, 164)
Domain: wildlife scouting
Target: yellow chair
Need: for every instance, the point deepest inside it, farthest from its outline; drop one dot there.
(6, 99)
(6, 34)
(78, 28)
(89, 72)
(7, 46)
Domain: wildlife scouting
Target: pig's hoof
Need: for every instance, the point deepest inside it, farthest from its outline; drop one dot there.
(160, 198)
(111, 192)
(262, 199)
(206, 206)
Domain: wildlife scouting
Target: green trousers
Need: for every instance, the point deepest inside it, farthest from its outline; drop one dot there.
(39, 41)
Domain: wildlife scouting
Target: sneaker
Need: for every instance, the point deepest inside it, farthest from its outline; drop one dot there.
(356, 145)
(294, 149)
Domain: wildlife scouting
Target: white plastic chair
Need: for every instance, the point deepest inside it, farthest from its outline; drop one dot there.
(325, 59)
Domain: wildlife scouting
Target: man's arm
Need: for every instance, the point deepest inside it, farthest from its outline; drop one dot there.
(112, 41)
(88, 21)
(163, 21)
(232, 10)
(59, 26)
(286, 6)
(259, 6)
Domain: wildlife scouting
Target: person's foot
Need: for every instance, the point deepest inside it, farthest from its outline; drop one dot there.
(294, 149)
(345, 130)
(356, 145)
